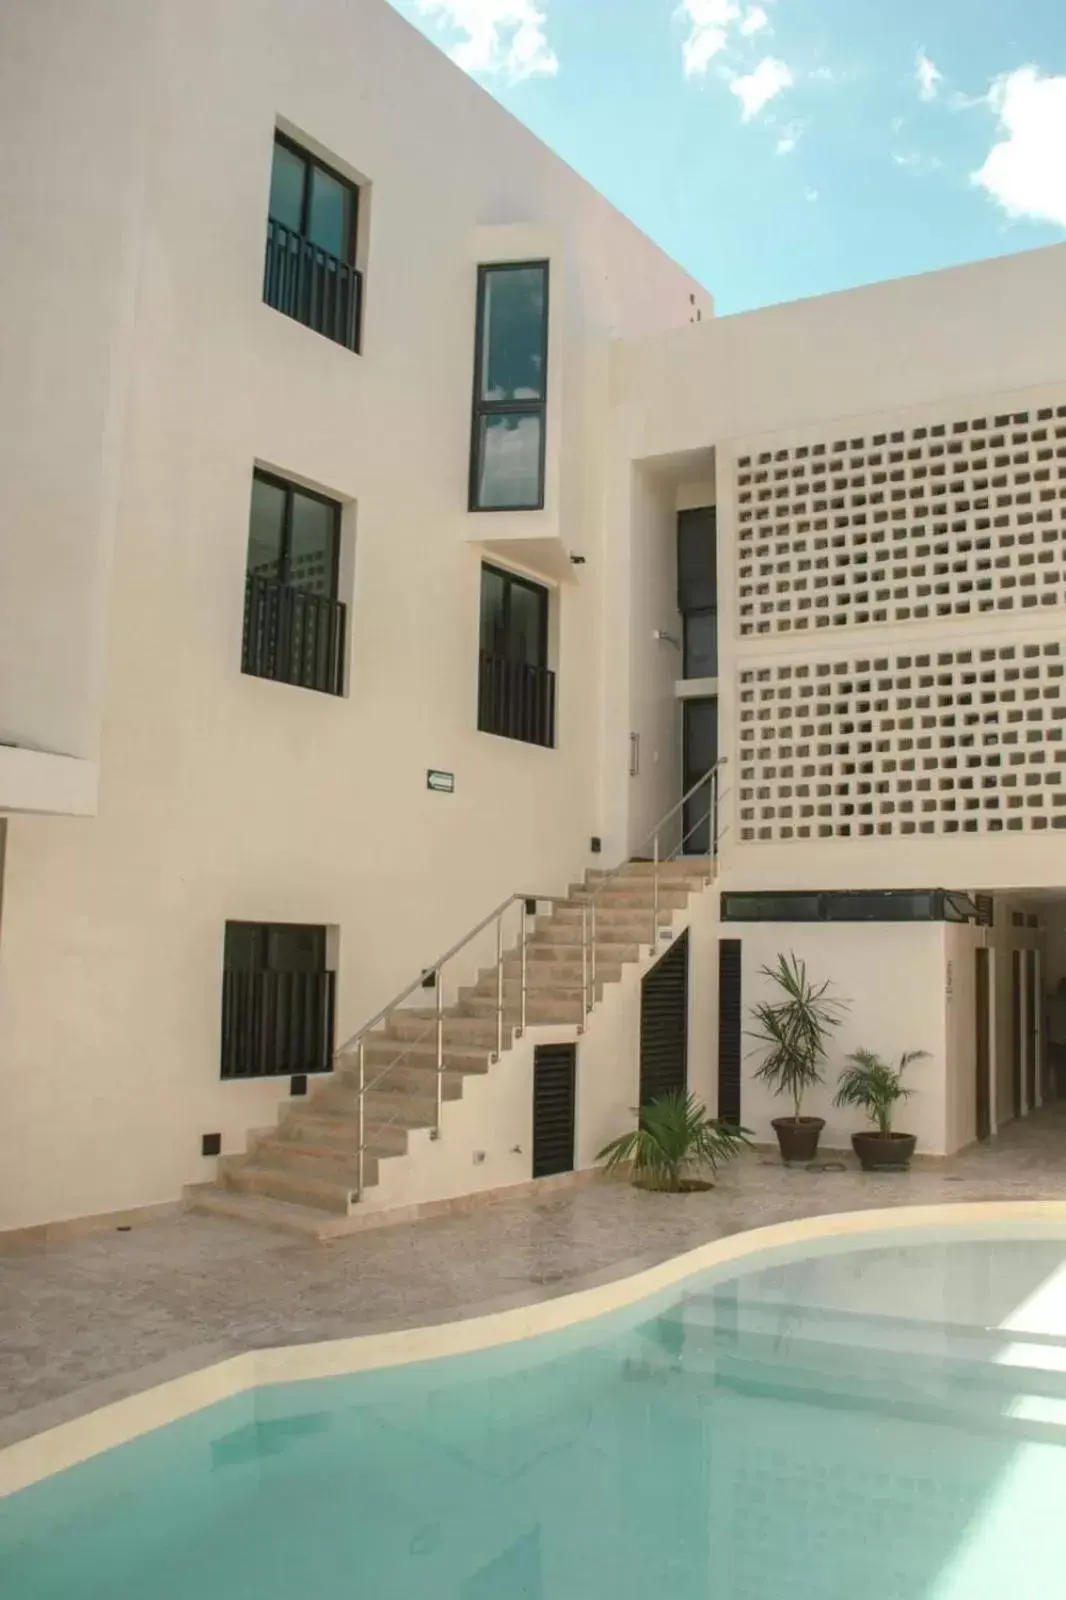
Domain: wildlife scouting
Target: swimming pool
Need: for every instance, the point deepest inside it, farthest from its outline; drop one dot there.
(885, 1420)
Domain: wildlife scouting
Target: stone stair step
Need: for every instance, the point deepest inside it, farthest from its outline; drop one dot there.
(627, 899)
(459, 1028)
(394, 1054)
(281, 1216)
(698, 867)
(308, 1182)
(340, 1142)
(567, 949)
(540, 1010)
(416, 1109)
(563, 976)
(342, 1099)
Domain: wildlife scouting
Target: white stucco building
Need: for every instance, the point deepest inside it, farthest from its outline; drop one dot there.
(348, 455)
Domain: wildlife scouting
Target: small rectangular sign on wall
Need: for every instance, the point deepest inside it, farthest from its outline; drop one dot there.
(440, 782)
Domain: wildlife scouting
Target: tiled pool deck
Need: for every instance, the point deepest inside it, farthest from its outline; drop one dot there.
(87, 1320)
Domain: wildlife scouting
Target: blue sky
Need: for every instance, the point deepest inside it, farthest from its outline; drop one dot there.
(781, 148)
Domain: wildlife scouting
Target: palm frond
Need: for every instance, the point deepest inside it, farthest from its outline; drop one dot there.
(675, 1137)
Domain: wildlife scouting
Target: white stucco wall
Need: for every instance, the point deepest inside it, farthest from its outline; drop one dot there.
(224, 796)
(893, 977)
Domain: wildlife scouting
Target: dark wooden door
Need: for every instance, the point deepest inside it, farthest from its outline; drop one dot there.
(554, 1093)
(729, 1030)
(1016, 1024)
(664, 1025)
(983, 1052)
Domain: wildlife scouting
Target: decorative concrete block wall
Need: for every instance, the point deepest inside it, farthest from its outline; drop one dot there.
(965, 740)
(948, 519)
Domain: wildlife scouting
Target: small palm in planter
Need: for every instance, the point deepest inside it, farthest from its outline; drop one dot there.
(873, 1086)
(795, 1031)
(676, 1139)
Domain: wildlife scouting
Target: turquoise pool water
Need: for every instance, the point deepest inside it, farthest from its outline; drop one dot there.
(883, 1423)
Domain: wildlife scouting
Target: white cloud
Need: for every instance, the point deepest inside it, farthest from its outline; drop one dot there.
(928, 75)
(917, 161)
(712, 25)
(505, 37)
(1025, 170)
(756, 89)
(789, 138)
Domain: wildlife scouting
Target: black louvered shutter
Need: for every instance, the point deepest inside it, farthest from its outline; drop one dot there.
(554, 1082)
(729, 1030)
(664, 1025)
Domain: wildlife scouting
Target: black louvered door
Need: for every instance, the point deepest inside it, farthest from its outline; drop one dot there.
(664, 1025)
(729, 1030)
(554, 1084)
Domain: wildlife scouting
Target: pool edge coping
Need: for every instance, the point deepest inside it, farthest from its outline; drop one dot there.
(68, 1443)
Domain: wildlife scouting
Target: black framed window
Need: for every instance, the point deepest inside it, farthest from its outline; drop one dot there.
(294, 624)
(697, 590)
(700, 635)
(277, 1000)
(850, 905)
(516, 689)
(510, 388)
(312, 228)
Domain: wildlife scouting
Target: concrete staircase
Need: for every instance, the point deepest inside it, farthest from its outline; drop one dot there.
(301, 1176)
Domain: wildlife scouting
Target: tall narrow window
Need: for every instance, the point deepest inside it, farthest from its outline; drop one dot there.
(277, 1000)
(294, 625)
(516, 691)
(697, 590)
(310, 271)
(510, 388)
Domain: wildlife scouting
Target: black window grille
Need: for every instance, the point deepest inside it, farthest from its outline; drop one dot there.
(312, 227)
(850, 905)
(294, 625)
(277, 1001)
(510, 388)
(516, 688)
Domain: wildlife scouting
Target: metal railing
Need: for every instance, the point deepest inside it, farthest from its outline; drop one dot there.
(293, 636)
(654, 840)
(528, 909)
(312, 286)
(516, 700)
(276, 1024)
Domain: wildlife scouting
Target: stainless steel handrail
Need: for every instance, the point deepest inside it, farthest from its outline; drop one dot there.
(588, 917)
(357, 1043)
(435, 1023)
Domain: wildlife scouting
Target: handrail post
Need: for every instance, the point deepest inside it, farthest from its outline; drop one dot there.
(592, 956)
(712, 851)
(439, 990)
(361, 1151)
(586, 1008)
(655, 892)
(499, 986)
(522, 961)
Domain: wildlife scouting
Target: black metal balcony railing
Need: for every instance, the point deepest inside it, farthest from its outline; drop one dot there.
(293, 636)
(516, 701)
(316, 288)
(277, 1024)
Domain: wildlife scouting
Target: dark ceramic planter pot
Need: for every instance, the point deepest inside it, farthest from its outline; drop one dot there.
(798, 1140)
(884, 1153)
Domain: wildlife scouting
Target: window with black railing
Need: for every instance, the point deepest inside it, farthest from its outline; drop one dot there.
(294, 624)
(516, 688)
(312, 228)
(277, 1001)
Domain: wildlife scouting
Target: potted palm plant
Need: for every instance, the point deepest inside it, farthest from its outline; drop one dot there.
(873, 1086)
(674, 1141)
(793, 1031)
